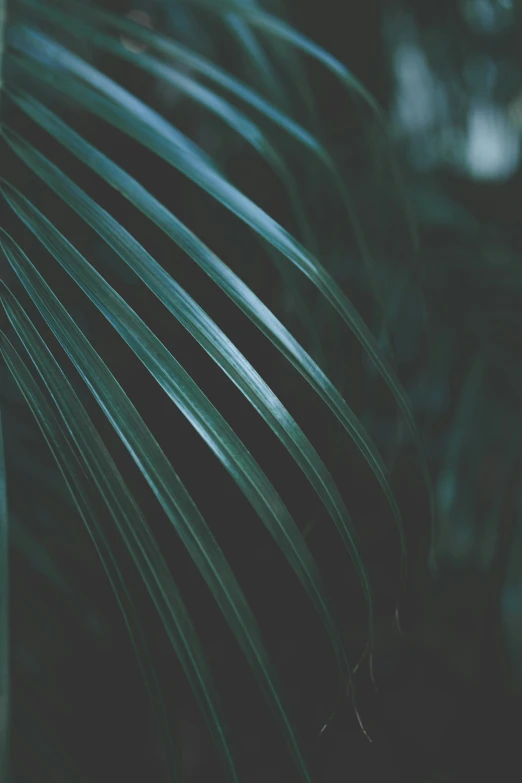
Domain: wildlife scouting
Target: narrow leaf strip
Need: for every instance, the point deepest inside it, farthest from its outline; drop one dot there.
(277, 28)
(260, 66)
(282, 31)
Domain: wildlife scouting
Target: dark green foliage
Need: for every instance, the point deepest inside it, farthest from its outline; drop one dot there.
(256, 374)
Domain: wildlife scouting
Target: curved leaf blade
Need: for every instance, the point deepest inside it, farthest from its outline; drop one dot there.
(197, 63)
(281, 30)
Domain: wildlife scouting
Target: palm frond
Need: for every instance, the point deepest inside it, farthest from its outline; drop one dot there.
(179, 153)
(161, 283)
(172, 495)
(41, 60)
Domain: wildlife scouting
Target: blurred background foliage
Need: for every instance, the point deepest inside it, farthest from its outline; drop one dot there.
(429, 255)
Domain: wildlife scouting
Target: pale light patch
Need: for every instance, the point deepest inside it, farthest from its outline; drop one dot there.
(140, 17)
(416, 103)
(488, 16)
(492, 148)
